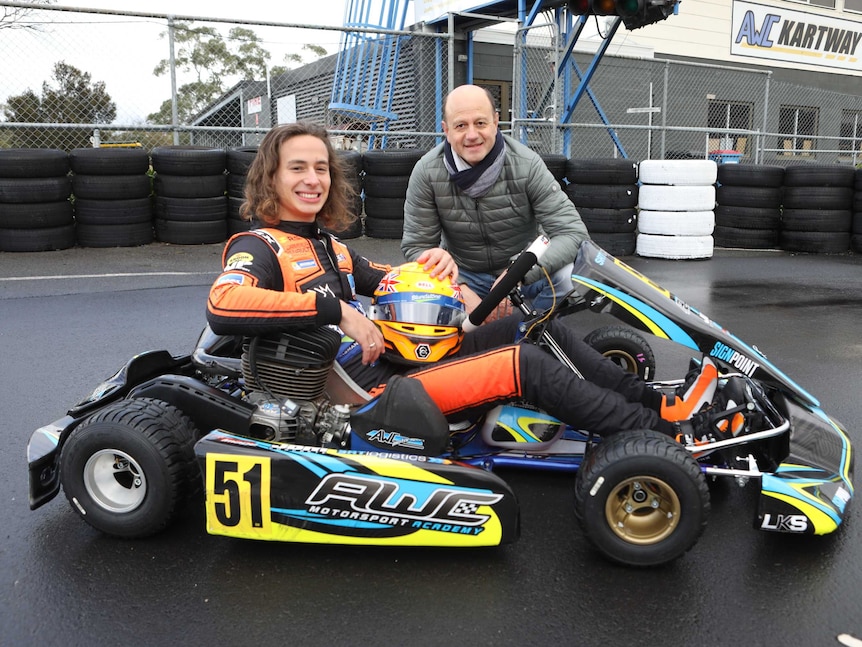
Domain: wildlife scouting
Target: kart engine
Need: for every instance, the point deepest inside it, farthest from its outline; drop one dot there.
(285, 378)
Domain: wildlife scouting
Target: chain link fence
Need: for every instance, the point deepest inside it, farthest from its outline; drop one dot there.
(383, 89)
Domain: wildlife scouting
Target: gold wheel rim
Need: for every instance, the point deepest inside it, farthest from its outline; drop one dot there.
(643, 510)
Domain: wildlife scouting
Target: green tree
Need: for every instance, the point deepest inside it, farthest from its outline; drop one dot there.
(213, 63)
(291, 60)
(73, 98)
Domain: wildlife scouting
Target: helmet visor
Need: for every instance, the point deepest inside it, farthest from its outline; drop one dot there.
(439, 311)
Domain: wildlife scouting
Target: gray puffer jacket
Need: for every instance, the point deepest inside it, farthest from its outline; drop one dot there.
(484, 234)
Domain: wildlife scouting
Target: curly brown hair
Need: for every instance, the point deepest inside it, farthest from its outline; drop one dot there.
(261, 199)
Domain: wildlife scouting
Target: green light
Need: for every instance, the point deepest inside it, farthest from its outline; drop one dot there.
(629, 7)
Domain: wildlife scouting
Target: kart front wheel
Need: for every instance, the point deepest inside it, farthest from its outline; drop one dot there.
(626, 347)
(128, 469)
(641, 499)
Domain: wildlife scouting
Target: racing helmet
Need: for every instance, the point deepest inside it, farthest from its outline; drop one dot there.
(420, 316)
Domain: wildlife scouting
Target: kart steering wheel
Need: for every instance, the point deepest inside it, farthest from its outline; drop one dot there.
(513, 275)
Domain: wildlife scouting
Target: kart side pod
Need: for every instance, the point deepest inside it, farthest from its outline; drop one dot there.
(292, 493)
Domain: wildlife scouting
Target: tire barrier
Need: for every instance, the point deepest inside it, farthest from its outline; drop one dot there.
(237, 162)
(36, 213)
(385, 177)
(112, 189)
(748, 214)
(605, 192)
(351, 161)
(817, 209)
(856, 225)
(103, 197)
(676, 209)
(191, 201)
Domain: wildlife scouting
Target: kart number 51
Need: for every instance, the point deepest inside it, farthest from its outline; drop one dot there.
(238, 496)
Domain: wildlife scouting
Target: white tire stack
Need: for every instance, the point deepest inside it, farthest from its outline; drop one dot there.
(676, 208)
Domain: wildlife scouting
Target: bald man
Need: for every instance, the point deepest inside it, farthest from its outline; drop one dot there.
(479, 198)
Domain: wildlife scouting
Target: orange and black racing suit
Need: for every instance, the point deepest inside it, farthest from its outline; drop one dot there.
(294, 275)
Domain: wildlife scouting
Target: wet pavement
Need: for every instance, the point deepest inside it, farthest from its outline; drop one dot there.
(69, 319)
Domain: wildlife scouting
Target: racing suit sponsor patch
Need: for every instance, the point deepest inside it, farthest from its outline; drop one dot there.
(239, 279)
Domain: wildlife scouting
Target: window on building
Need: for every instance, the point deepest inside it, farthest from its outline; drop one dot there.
(819, 3)
(501, 91)
(853, 5)
(722, 115)
(851, 132)
(798, 126)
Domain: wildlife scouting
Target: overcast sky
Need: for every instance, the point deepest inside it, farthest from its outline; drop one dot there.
(123, 52)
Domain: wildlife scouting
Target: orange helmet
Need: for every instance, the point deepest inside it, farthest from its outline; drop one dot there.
(420, 316)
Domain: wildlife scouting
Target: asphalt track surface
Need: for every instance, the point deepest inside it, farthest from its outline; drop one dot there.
(69, 319)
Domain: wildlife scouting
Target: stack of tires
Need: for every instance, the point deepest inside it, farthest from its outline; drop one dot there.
(556, 163)
(191, 200)
(386, 174)
(748, 214)
(605, 192)
(36, 214)
(237, 162)
(817, 209)
(856, 228)
(351, 162)
(112, 197)
(677, 209)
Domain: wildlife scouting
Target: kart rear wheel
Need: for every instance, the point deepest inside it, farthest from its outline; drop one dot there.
(641, 499)
(626, 347)
(129, 468)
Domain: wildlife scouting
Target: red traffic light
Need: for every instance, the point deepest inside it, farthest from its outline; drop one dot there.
(635, 13)
(606, 7)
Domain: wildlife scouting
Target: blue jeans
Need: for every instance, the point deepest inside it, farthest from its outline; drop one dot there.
(540, 294)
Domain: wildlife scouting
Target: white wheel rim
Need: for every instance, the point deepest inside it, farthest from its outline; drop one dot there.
(115, 480)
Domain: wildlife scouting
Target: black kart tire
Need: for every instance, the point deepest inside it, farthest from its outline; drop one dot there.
(396, 161)
(556, 163)
(128, 469)
(815, 242)
(236, 185)
(750, 175)
(386, 186)
(822, 175)
(202, 232)
(134, 234)
(748, 217)
(748, 196)
(641, 499)
(818, 197)
(37, 240)
(602, 171)
(111, 187)
(816, 220)
(113, 212)
(33, 162)
(109, 161)
(623, 244)
(191, 209)
(609, 221)
(185, 186)
(383, 228)
(626, 347)
(35, 189)
(36, 215)
(188, 160)
(603, 196)
(384, 208)
(238, 160)
(745, 238)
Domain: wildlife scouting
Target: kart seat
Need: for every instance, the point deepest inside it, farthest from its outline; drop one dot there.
(341, 389)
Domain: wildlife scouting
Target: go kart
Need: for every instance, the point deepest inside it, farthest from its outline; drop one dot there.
(286, 448)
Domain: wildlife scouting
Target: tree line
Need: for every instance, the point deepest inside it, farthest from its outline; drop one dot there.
(211, 62)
